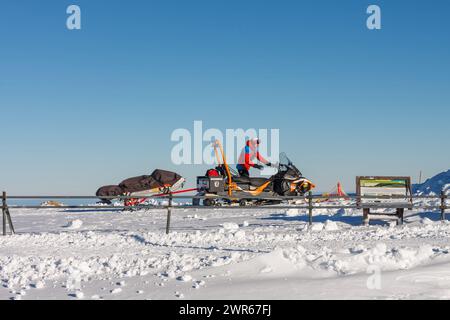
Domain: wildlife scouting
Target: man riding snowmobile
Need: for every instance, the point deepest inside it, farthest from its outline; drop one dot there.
(222, 185)
(249, 153)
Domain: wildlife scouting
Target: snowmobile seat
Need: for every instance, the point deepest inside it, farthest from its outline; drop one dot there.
(253, 181)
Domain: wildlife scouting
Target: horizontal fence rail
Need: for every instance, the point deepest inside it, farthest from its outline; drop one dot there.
(355, 202)
(314, 196)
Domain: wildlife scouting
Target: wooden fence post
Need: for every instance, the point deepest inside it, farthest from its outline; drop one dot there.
(443, 205)
(169, 213)
(366, 216)
(400, 216)
(11, 226)
(4, 212)
(6, 215)
(310, 207)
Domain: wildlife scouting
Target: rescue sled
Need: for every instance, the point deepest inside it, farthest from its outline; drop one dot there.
(160, 182)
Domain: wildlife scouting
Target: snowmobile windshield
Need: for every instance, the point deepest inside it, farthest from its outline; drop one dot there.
(287, 165)
(284, 160)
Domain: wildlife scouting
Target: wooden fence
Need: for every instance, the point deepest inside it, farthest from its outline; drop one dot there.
(311, 202)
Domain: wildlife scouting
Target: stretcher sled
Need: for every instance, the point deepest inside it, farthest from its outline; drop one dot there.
(160, 182)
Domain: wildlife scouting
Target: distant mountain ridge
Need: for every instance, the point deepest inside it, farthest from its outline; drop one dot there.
(434, 185)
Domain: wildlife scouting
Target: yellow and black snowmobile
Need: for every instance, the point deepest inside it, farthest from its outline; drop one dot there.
(223, 186)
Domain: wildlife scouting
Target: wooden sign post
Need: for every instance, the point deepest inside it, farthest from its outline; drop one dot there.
(379, 191)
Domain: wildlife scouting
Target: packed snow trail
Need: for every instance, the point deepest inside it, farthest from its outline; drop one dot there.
(222, 254)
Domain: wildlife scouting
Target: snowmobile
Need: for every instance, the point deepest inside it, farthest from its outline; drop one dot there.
(224, 186)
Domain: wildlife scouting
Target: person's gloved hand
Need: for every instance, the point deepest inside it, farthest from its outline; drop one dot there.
(257, 166)
(273, 165)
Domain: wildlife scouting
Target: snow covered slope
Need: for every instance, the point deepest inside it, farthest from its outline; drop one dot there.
(434, 185)
(267, 253)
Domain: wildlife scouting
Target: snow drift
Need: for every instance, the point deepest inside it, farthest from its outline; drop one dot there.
(434, 185)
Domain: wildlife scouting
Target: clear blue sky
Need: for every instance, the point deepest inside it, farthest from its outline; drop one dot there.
(80, 109)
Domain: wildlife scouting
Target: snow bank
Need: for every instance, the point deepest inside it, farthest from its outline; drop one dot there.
(230, 226)
(386, 258)
(434, 185)
(331, 226)
(292, 212)
(317, 226)
(75, 224)
(133, 246)
(285, 262)
(427, 221)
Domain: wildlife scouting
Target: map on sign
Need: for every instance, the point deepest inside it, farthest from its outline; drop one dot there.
(379, 189)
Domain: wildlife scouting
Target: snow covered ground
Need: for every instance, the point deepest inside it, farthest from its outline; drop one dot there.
(222, 254)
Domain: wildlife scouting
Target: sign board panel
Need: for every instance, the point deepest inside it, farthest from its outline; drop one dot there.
(380, 188)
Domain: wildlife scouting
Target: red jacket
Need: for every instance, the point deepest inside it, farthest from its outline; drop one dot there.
(250, 152)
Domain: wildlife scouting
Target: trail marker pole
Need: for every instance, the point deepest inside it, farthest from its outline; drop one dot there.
(169, 213)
